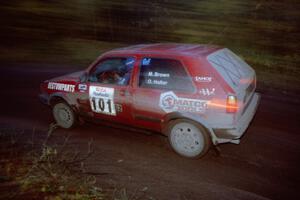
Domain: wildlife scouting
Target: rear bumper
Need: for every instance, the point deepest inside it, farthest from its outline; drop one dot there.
(234, 133)
(247, 117)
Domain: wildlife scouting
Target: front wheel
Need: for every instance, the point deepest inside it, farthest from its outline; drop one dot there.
(64, 115)
(188, 138)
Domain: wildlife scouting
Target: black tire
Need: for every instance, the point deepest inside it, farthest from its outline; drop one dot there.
(188, 138)
(64, 115)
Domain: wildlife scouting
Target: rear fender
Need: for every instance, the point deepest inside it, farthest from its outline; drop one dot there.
(193, 117)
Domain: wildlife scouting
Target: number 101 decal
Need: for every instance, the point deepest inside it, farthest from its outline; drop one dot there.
(102, 100)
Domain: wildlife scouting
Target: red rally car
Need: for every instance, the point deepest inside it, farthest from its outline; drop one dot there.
(197, 95)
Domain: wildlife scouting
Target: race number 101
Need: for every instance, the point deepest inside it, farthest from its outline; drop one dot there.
(102, 105)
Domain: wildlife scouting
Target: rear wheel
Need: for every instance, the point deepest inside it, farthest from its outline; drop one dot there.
(188, 138)
(64, 115)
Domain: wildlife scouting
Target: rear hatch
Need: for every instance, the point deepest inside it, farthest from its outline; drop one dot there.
(237, 74)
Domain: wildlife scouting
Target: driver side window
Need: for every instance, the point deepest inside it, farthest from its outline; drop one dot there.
(116, 71)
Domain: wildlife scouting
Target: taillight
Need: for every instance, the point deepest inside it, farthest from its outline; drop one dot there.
(231, 104)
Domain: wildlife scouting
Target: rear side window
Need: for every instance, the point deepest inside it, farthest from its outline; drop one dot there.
(165, 74)
(230, 66)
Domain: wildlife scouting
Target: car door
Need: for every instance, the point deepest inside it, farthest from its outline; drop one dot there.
(159, 81)
(110, 90)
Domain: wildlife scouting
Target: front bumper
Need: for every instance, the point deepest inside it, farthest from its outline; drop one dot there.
(44, 98)
(234, 133)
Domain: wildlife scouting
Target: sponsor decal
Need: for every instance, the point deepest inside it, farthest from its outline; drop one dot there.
(102, 100)
(146, 61)
(61, 87)
(169, 102)
(82, 87)
(119, 108)
(207, 92)
(203, 79)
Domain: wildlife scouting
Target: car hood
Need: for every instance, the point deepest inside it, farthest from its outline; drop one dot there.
(72, 77)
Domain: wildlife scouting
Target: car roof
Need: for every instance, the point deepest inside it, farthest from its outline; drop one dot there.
(176, 49)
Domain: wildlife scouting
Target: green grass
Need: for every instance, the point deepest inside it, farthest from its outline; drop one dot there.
(264, 33)
(42, 165)
(77, 52)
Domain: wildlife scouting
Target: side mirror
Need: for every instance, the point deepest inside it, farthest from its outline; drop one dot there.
(84, 77)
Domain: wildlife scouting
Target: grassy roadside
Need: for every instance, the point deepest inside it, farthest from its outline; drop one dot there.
(264, 32)
(40, 165)
(78, 52)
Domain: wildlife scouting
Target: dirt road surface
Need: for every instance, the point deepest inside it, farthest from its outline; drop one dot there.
(265, 165)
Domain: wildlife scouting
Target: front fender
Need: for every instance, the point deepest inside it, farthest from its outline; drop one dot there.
(64, 96)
